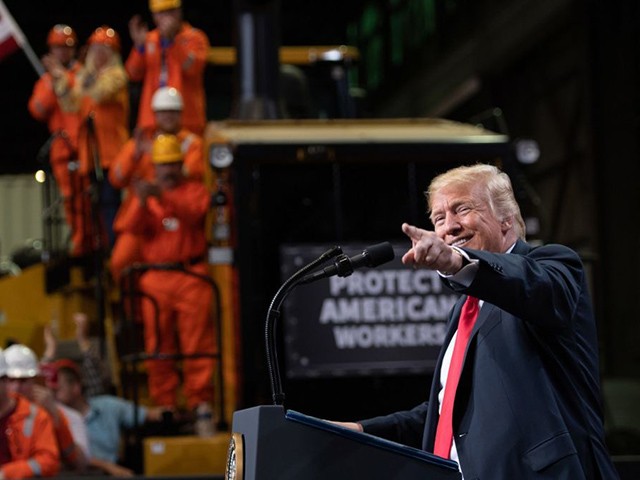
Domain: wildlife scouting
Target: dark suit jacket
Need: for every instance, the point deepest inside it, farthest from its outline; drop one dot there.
(528, 402)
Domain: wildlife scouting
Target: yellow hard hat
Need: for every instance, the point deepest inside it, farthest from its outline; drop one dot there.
(161, 5)
(166, 149)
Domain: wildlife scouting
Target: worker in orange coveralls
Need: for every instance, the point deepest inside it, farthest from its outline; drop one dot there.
(69, 428)
(28, 445)
(100, 94)
(63, 126)
(174, 54)
(134, 162)
(168, 214)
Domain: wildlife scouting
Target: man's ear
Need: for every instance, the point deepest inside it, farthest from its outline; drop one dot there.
(507, 223)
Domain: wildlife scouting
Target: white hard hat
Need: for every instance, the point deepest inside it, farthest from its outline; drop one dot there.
(3, 364)
(166, 98)
(21, 362)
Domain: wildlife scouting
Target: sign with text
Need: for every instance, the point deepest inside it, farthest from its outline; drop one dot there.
(386, 320)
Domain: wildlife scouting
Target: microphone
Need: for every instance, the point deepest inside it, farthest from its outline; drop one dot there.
(343, 266)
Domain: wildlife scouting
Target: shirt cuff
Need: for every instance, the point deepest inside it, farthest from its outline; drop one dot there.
(467, 273)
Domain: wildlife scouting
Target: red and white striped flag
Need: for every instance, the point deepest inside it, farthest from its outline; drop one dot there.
(12, 39)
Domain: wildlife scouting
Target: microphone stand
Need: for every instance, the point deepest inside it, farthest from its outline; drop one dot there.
(273, 314)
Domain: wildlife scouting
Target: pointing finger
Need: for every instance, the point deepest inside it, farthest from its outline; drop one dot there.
(412, 232)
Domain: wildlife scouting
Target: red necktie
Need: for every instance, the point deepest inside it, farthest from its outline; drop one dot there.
(444, 432)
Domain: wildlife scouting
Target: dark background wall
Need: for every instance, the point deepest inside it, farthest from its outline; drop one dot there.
(564, 73)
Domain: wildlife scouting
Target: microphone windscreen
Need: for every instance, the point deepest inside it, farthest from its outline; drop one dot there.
(379, 254)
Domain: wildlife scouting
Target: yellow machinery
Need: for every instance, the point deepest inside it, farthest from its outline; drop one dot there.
(25, 308)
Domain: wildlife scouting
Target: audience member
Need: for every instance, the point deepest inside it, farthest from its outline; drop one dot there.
(134, 163)
(100, 94)
(106, 416)
(63, 125)
(69, 429)
(27, 441)
(174, 54)
(85, 351)
(168, 215)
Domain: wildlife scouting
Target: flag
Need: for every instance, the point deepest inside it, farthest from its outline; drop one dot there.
(10, 35)
(12, 39)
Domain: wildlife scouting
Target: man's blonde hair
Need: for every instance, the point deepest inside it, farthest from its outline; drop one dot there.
(500, 196)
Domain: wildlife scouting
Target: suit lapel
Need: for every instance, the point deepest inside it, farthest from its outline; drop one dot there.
(487, 318)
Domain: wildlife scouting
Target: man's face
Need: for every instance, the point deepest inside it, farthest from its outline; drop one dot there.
(66, 391)
(169, 175)
(168, 121)
(462, 217)
(23, 386)
(63, 53)
(168, 22)
(100, 54)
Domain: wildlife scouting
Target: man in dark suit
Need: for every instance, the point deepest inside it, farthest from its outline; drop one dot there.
(525, 399)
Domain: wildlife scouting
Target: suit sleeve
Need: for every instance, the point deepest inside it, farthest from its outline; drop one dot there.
(542, 287)
(403, 427)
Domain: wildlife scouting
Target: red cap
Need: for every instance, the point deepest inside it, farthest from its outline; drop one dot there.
(50, 370)
(50, 374)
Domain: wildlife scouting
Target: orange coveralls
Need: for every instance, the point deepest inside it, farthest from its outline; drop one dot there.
(107, 102)
(127, 168)
(181, 65)
(32, 442)
(68, 450)
(44, 107)
(172, 230)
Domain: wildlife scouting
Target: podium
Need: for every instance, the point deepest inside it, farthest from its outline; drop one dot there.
(269, 444)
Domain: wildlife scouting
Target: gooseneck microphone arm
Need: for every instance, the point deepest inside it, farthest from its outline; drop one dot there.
(273, 314)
